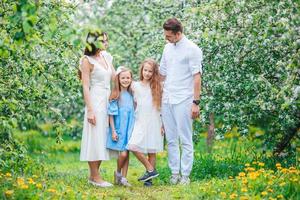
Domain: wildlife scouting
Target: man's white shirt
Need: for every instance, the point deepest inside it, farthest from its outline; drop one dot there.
(179, 62)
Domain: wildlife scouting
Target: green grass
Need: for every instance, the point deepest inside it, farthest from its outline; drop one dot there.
(57, 173)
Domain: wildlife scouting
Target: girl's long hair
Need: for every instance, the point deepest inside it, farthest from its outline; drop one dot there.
(155, 85)
(115, 93)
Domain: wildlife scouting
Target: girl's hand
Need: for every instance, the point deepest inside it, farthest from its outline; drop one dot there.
(91, 117)
(114, 136)
(162, 130)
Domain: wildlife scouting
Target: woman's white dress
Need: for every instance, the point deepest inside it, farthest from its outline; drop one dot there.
(93, 143)
(146, 136)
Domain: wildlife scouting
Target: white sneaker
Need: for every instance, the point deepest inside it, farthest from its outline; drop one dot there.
(174, 179)
(124, 182)
(185, 180)
(117, 179)
(103, 184)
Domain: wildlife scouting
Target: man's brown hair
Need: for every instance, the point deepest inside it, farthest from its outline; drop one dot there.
(173, 25)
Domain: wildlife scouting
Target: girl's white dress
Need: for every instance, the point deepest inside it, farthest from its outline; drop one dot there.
(93, 142)
(146, 136)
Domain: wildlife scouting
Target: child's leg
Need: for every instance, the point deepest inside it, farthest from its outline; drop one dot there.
(152, 159)
(125, 165)
(122, 161)
(123, 181)
(143, 160)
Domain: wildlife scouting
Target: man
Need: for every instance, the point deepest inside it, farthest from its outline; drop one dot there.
(181, 70)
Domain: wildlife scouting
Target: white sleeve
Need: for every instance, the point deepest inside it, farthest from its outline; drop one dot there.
(133, 84)
(195, 60)
(162, 66)
(91, 61)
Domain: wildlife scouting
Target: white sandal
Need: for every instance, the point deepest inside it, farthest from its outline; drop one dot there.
(103, 184)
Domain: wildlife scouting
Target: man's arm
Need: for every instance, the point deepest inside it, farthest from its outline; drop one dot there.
(163, 67)
(197, 86)
(195, 64)
(197, 92)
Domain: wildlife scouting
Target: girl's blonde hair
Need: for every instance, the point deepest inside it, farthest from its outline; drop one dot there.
(115, 93)
(155, 85)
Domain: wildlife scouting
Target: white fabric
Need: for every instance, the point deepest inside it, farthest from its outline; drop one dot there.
(93, 143)
(146, 136)
(179, 63)
(120, 69)
(178, 126)
(107, 56)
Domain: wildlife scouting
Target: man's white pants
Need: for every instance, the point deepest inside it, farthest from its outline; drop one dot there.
(178, 122)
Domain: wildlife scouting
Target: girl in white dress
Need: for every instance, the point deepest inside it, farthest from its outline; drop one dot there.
(96, 71)
(147, 135)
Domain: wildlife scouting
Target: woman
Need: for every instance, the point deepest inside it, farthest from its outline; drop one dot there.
(96, 72)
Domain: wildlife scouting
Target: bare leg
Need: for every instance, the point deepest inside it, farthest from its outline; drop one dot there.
(94, 171)
(143, 160)
(121, 160)
(152, 159)
(125, 166)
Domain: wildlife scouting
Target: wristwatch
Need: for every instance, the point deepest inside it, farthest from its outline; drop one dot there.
(196, 102)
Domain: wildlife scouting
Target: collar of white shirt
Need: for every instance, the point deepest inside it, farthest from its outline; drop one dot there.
(181, 41)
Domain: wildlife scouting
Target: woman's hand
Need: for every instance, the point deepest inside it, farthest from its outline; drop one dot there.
(114, 136)
(91, 117)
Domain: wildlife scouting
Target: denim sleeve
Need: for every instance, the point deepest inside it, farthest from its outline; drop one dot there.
(113, 108)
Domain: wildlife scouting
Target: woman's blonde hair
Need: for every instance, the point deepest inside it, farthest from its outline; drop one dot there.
(155, 85)
(115, 93)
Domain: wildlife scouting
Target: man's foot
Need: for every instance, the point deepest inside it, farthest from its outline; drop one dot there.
(148, 183)
(124, 182)
(117, 178)
(175, 178)
(148, 175)
(185, 180)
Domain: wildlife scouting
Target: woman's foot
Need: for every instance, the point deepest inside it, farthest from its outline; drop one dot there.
(99, 182)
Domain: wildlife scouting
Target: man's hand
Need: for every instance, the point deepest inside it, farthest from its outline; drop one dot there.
(195, 111)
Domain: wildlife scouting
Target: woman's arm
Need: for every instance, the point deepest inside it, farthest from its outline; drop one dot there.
(86, 69)
(113, 74)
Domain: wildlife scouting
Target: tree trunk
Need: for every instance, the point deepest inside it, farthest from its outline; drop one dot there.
(210, 133)
(286, 140)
